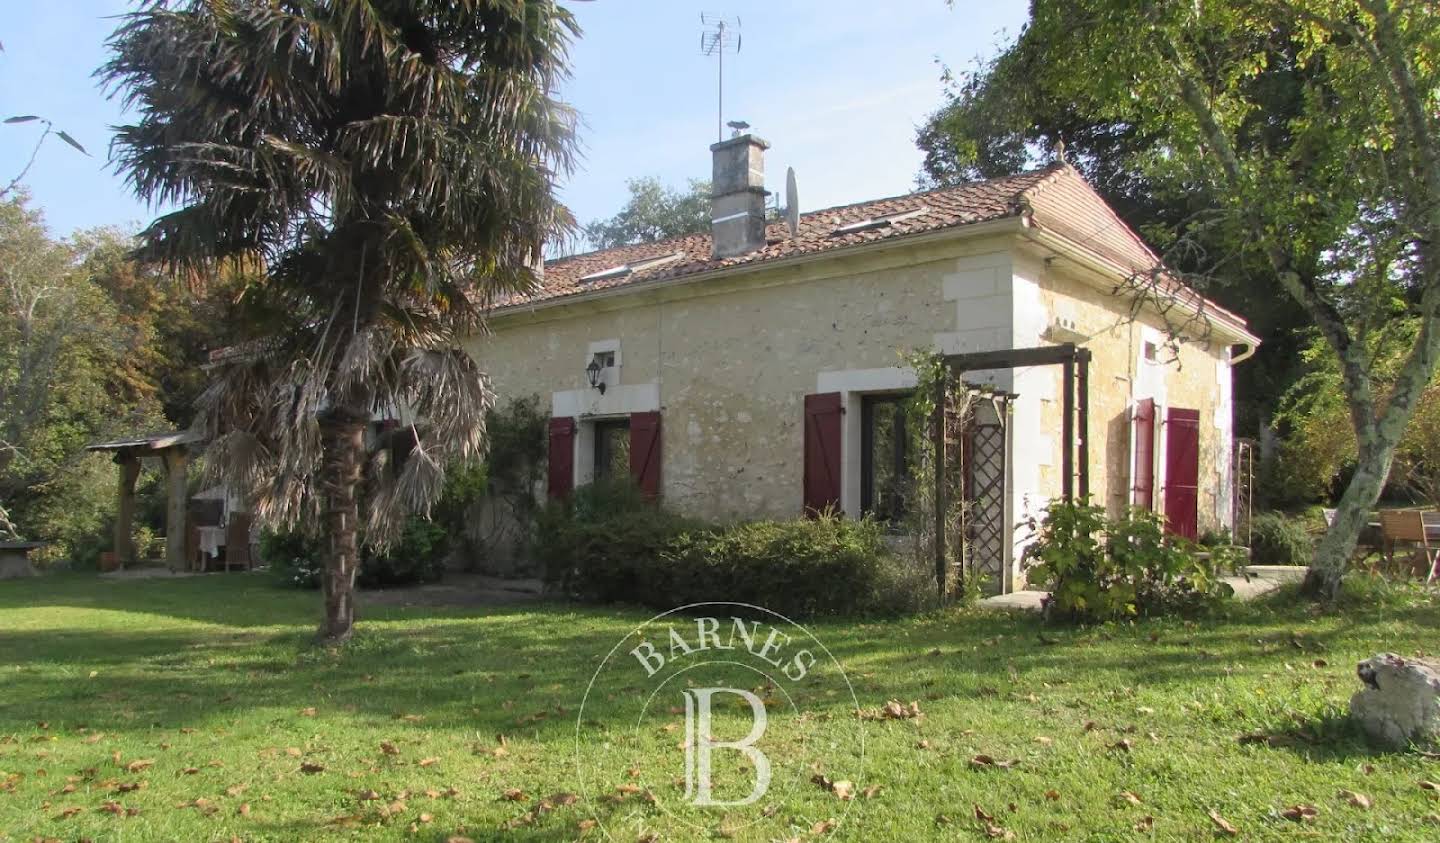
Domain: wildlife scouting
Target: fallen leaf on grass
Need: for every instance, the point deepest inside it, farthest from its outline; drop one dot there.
(312, 767)
(308, 712)
(922, 744)
(1430, 786)
(1222, 824)
(1044, 741)
(982, 761)
(138, 765)
(1052, 795)
(872, 791)
(1127, 796)
(824, 827)
(1300, 813)
(293, 751)
(1359, 800)
(513, 794)
(66, 813)
(244, 809)
(1145, 823)
(367, 796)
(389, 748)
(1123, 745)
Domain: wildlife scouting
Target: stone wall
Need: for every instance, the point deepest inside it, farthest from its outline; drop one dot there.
(729, 360)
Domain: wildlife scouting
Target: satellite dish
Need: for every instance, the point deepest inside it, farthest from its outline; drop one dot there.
(792, 202)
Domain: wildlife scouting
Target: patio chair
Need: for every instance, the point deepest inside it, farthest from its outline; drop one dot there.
(1408, 526)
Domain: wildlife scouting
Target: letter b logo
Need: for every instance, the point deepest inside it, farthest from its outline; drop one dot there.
(700, 744)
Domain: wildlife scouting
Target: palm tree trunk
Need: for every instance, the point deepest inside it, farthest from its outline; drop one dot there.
(342, 433)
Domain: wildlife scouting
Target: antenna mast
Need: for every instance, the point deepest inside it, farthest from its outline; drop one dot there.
(720, 35)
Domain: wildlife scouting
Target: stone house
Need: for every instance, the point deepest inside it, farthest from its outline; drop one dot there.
(754, 371)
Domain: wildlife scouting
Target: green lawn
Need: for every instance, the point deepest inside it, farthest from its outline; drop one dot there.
(212, 680)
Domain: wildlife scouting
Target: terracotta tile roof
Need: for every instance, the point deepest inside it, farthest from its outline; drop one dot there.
(944, 208)
(1056, 198)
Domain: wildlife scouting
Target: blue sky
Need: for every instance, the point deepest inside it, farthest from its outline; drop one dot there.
(836, 86)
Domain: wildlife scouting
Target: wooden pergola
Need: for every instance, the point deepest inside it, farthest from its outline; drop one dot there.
(173, 451)
(1074, 424)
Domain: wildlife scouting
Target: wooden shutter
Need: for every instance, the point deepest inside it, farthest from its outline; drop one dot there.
(562, 457)
(1142, 432)
(645, 452)
(822, 452)
(1182, 472)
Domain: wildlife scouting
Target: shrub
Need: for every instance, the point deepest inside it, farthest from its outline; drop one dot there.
(1278, 540)
(608, 544)
(1101, 569)
(297, 559)
(417, 556)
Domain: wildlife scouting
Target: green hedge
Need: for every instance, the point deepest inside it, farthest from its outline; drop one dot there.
(608, 545)
(1278, 540)
(417, 556)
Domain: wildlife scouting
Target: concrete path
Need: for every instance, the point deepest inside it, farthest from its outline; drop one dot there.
(1262, 579)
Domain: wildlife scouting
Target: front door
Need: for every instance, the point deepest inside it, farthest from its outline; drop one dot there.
(1182, 472)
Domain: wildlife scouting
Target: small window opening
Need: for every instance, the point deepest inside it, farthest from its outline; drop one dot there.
(1151, 351)
(605, 359)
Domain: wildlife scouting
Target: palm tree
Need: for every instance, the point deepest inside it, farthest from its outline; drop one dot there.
(391, 166)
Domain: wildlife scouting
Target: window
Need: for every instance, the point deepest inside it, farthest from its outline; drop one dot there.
(606, 359)
(612, 449)
(884, 457)
(1151, 352)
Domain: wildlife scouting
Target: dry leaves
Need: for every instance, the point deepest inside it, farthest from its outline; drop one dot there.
(1300, 813)
(138, 765)
(1223, 824)
(429, 762)
(892, 710)
(982, 761)
(312, 767)
(1127, 796)
(514, 794)
(389, 748)
(844, 790)
(1359, 800)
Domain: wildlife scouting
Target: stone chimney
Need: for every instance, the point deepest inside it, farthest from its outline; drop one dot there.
(737, 198)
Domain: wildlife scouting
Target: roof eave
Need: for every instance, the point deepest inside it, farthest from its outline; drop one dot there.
(1231, 326)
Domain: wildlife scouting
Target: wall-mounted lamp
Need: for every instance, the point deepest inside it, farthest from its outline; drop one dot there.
(592, 372)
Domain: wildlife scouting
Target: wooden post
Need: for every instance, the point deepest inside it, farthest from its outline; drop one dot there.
(941, 466)
(125, 507)
(1083, 385)
(1067, 430)
(177, 496)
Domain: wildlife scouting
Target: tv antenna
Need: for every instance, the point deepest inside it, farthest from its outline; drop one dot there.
(720, 35)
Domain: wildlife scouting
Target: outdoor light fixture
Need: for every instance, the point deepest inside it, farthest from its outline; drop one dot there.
(593, 373)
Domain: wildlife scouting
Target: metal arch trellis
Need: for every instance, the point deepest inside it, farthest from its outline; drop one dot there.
(985, 466)
(1243, 489)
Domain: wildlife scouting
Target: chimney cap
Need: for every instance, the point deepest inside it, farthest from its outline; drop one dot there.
(739, 141)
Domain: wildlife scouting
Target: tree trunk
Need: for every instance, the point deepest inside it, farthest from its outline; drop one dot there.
(342, 434)
(1352, 514)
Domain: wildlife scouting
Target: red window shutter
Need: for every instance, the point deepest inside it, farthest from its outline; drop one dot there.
(822, 452)
(1182, 472)
(1142, 490)
(562, 457)
(645, 452)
